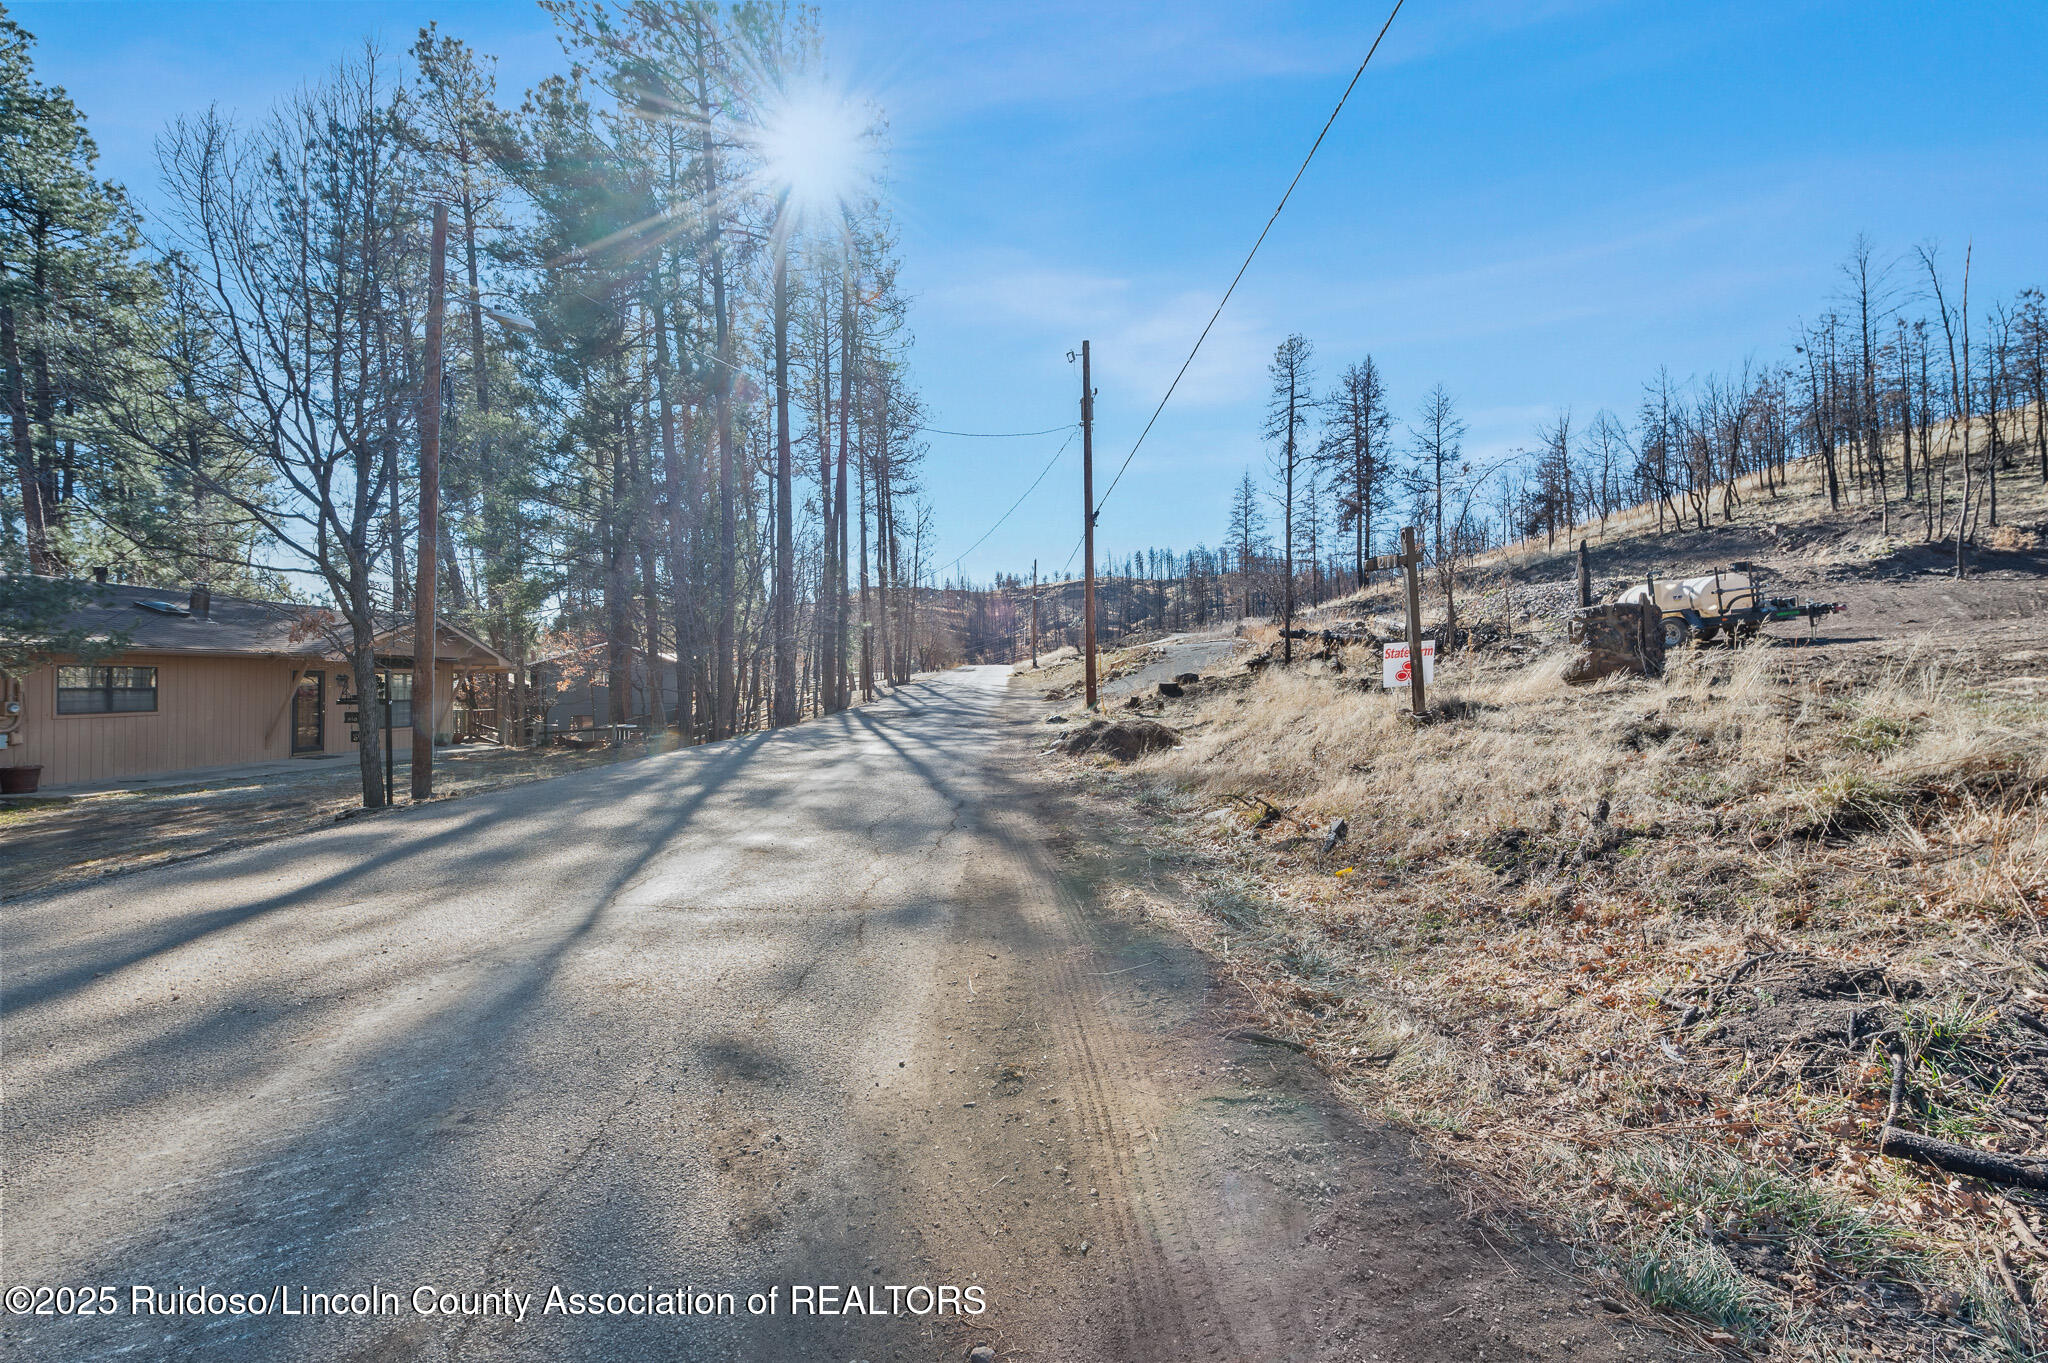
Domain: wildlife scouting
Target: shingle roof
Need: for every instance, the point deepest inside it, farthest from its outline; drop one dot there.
(154, 620)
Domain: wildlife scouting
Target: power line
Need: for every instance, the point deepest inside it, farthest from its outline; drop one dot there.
(1249, 254)
(995, 435)
(1027, 492)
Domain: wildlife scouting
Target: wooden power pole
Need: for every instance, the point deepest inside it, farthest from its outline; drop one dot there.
(1087, 526)
(430, 517)
(1034, 615)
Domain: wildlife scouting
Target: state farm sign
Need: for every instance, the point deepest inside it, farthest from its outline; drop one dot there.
(1394, 665)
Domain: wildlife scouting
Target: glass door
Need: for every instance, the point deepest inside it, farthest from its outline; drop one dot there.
(309, 714)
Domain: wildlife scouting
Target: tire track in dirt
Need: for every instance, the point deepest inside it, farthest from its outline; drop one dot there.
(1107, 1062)
(1253, 1214)
(1143, 1156)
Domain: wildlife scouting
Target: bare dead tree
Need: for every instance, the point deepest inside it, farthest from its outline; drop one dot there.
(1287, 413)
(1958, 373)
(298, 236)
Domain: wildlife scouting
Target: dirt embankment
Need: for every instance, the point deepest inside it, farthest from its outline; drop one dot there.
(1659, 961)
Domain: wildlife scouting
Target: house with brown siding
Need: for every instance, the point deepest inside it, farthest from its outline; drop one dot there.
(204, 682)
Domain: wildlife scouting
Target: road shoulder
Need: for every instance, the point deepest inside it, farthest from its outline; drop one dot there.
(1135, 1177)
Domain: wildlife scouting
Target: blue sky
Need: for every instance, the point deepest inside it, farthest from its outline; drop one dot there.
(1535, 204)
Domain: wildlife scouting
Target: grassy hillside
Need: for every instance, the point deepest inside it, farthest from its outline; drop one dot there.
(1645, 960)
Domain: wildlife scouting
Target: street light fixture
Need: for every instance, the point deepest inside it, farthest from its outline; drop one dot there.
(512, 321)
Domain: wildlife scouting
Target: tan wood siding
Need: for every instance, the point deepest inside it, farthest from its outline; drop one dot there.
(210, 712)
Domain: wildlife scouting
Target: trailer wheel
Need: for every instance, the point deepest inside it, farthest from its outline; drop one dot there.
(1706, 632)
(1748, 630)
(1676, 633)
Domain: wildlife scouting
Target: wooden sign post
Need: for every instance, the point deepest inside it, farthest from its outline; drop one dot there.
(1409, 561)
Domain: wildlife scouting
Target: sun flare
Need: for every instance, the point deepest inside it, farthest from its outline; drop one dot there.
(817, 152)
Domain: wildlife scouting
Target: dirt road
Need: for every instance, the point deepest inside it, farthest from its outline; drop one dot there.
(832, 1006)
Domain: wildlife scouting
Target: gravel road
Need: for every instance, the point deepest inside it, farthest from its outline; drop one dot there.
(837, 1005)
(1179, 653)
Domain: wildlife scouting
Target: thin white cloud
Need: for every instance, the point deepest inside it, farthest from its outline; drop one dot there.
(1139, 336)
(993, 56)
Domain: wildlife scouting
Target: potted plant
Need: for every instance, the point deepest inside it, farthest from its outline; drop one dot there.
(20, 780)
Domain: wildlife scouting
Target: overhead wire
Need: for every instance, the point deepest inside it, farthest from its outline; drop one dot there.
(998, 435)
(1327, 124)
(1064, 445)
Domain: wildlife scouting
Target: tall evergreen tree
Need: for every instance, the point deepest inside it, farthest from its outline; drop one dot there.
(1287, 415)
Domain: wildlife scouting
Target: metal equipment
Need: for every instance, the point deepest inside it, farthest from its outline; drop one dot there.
(1726, 602)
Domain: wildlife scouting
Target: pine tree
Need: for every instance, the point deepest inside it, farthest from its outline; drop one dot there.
(1246, 537)
(1287, 413)
(1355, 449)
(71, 294)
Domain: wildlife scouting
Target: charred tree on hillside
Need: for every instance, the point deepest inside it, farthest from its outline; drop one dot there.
(1287, 414)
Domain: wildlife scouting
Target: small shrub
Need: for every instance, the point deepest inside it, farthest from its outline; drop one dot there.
(1851, 801)
(1236, 903)
(1688, 1276)
(1872, 732)
(1307, 957)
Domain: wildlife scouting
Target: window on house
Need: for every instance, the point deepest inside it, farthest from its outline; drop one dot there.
(105, 690)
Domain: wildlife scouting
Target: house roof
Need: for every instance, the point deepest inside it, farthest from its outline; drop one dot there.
(558, 654)
(154, 620)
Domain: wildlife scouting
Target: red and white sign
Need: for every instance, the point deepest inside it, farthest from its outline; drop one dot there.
(1394, 665)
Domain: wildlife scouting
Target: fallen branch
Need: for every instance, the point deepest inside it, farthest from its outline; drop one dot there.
(2028, 1020)
(2019, 1171)
(1262, 1038)
(1269, 812)
(1356, 635)
(2015, 1286)
(2020, 1228)
(1689, 1013)
(1734, 977)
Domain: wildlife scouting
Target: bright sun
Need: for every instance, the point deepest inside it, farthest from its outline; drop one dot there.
(818, 151)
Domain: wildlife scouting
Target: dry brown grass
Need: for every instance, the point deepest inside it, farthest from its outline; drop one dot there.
(1482, 960)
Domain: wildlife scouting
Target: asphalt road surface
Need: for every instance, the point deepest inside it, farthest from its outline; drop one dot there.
(835, 1006)
(1179, 653)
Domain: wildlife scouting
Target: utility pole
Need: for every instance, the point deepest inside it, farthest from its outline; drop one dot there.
(1088, 526)
(1034, 615)
(430, 518)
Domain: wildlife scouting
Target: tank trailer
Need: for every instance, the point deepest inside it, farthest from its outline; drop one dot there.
(1728, 601)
